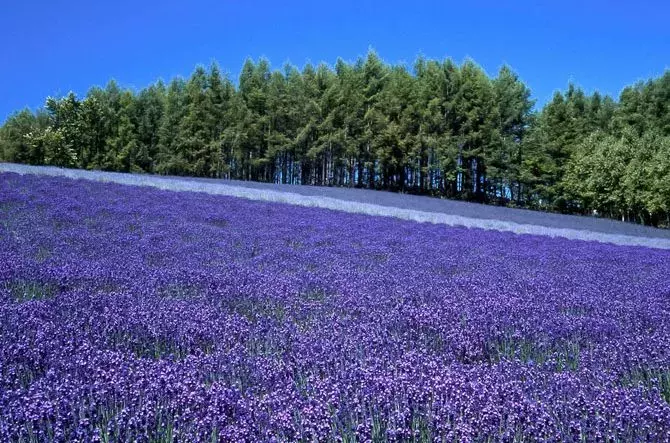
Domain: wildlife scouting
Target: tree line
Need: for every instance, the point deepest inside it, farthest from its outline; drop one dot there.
(440, 129)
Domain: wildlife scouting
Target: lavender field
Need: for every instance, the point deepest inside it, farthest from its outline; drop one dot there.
(387, 204)
(137, 314)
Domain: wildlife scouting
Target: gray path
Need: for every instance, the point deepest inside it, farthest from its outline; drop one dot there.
(416, 208)
(465, 209)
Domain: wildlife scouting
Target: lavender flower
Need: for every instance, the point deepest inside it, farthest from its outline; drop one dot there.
(134, 314)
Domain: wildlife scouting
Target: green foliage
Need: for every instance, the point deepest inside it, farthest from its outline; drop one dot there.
(170, 158)
(440, 128)
(623, 176)
(514, 112)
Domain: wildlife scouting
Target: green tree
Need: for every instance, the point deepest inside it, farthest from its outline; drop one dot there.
(253, 87)
(194, 137)
(124, 140)
(170, 159)
(476, 113)
(149, 110)
(58, 141)
(514, 115)
(15, 145)
(220, 92)
(441, 129)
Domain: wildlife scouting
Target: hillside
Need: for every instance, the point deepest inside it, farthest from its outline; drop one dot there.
(158, 316)
(417, 208)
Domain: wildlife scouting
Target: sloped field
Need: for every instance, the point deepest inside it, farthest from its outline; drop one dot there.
(136, 314)
(408, 207)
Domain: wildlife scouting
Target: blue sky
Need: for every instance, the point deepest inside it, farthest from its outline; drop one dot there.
(52, 47)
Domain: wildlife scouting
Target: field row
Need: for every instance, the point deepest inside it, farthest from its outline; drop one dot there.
(137, 314)
(407, 207)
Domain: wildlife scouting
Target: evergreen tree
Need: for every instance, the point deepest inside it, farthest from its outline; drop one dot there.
(150, 107)
(375, 77)
(348, 116)
(557, 138)
(220, 94)
(476, 115)
(442, 129)
(194, 135)
(280, 134)
(93, 140)
(396, 103)
(170, 159)
(253, 87)
(514, 109)
(124, 140)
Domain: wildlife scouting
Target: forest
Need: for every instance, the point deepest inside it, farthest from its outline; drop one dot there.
(438, 128)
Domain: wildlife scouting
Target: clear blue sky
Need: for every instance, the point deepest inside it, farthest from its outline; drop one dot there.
(52, 47)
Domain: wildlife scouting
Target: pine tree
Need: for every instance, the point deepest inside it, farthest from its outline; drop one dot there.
(514, 109)
(558, 139)
(253, 88)
(124, 141)
(150, 107)
(476, 115)
(279, 137)
(375, 77)
(429, 125)
(220, 94)
(93, 130)
(390, 151)
(348, 119)
(170, 159)
(194, 137)
(442, 129)
(323, 135)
